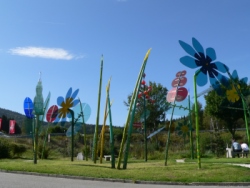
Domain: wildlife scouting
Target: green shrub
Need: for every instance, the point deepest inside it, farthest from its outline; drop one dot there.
(43, 152)
(5, 148)
(18, 149)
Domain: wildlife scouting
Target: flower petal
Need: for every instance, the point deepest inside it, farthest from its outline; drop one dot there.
(211, 53)
(197, 46)
(217, 81)
(75, 94)
(221, 67)
(68, 93)
(244, 80)
(75, 102)
(189, 62)
(60, 101)
(235, 75)
(201, 79)
(189, 49)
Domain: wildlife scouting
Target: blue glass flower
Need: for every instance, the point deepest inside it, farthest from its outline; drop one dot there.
(206, 62)
(67, 103)
(183, 128)
(236, 77)
(232, 93)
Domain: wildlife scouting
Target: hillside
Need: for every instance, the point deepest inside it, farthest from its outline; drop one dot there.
(12, 115)
(90, 128)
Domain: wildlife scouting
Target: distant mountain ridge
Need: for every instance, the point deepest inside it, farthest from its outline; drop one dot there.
(12, 115)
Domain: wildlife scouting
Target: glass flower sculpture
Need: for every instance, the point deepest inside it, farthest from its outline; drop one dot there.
(183, 129)
(65, 103)
(232, 94)
(206, 62)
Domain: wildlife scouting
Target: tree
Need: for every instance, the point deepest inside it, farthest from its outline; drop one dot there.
(156, 105)
(227, 106)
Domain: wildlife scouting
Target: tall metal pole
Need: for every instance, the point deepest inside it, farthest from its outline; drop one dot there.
(84, 132)
(197, 121)
(145, 127)
(111, 134)
(170, 124)
(102, 139)
(130, 118)
(36, 139)
(72, 133)
(191, 129)
(97, 117)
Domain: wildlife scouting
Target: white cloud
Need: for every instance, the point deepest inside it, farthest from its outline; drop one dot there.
(51, 53)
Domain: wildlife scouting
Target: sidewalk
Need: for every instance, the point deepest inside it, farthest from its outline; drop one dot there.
(244, 165)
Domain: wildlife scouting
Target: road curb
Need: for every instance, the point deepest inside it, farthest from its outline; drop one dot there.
(130, 181)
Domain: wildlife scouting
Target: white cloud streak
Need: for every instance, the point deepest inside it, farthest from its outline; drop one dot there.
(50, 53)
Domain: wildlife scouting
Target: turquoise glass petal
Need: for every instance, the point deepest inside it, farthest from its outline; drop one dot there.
(221, 67)
(219, 79)
(189, 49)
(180, 111)
(197, 46)
(46, 106)
(211, 53)
(86, 112)
(201, 79)
(60, 100)
(75, 94)
(216, 85)
(214, 82)
(68, 93)
(188, 61)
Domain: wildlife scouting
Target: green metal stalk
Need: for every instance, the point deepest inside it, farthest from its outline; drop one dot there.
(191, 129)
(97, 117)
(134, 96)
(246, 121)
(72, 134)
(145, 127)
(170, 124)
(111, 135)
(36, 140)
(197, 121)
(133, 102)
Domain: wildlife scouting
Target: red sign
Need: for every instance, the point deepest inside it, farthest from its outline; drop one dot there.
(171, 95)
(12, 124)
(137, 125)
(52, 113)
(181, 81)
(181, 94)
(0, 123)
(181, 73)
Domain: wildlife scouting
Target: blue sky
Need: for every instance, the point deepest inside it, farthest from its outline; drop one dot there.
(65, 39)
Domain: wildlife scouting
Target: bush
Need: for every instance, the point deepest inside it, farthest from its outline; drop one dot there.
(45, 152)
(5, 149)
(18, 149)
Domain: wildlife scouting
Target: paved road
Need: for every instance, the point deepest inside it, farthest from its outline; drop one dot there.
(14, 180)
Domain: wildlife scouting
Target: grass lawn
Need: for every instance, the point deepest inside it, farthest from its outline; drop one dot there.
(212, 169)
